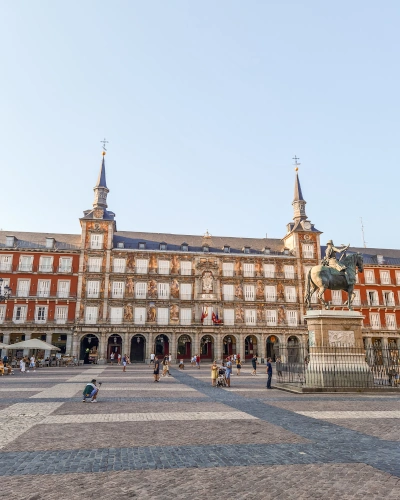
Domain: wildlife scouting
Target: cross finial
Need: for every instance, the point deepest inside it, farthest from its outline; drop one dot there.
(104, 144)
(295, 160)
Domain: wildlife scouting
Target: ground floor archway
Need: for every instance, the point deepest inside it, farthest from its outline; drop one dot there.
(272, 347)
(89, 349)
(138, 349)
(184, 347)
(293, 350)
(114, 345)
(229, 345)
(250, 346)
(207, 347)
(161, 345)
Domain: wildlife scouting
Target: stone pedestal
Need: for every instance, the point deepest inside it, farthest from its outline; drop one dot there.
(337, 356)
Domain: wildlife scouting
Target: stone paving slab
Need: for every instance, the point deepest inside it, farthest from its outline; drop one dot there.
(350, 414)
(60, 391)
(386, 429)
(336, 405)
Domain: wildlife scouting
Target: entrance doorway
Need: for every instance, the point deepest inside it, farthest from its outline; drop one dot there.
(250, 346)
(229, 345)
(207, 347)
(272, 347)
(293, 348)
(138, 349)
(184, 349)
(161, 345)
(115, 346)
(89, 349)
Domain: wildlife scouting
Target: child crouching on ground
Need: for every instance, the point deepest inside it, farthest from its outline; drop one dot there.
(90, 391)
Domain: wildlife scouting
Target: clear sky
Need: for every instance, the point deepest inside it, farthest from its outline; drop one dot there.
(204, 104)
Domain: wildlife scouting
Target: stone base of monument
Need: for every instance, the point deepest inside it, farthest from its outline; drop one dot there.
(336, 352)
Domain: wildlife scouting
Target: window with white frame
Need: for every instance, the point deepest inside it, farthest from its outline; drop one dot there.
(5, 283)
(2, 314)
(357, 298)
(271, 317)
(185, 291)
(248, 270)
(270, 293)
(291, 317)
(290, 293)
(289, 272)
(140, 315)
(140, 290)
(46, 264)
(25, 263)
(96, 241)
(119, 265)
(250, 316)
(388, 298)
(65, 265)
(372, 296)
(63, 287)
(269, 270)
(385, 277)
(337, 297)
(19, 314)
(23, 287)
(142, 266)
(163, 267)
(369, 276)
(227, 269)
(61, 315)
(375, 320)
(91, 315)
(40, 314)
(163, 315)
(93, 289)
(163, 290)
(228, 292)
(116, 315)
(10, 241)
(186, 268)
(94, 264)
(185, 316)
(390, 321)
(308, 251)
(117, 289)
(229, 316)
(397, 277)
(5, 262)
(43, 289)
(248, 292)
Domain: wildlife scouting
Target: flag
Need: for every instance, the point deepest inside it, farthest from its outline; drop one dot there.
(204, 313)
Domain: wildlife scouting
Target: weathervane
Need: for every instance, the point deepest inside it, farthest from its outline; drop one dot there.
(296, 162)
(104, 144)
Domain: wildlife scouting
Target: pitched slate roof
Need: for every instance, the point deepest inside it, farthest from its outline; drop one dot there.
(38, 240)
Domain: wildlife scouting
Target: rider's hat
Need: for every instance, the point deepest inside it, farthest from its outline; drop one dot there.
(330, 242)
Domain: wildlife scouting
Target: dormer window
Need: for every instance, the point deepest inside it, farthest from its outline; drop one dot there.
(380, 259)
(50, 242)
(267, 250)
(206, 248)
(10, 241)
(163, 246)
(185, 247)
(246, 249)
(120, 244)
(227, 249)
(142, 245)
(286, 251)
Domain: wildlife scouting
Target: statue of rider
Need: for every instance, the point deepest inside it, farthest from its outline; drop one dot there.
(331, 260)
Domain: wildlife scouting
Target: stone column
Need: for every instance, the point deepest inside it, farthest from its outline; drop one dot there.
(196, 343)
(218, 351)
(76, 346)
(173, 348)
(149, 347)
(385, 351)
(49, 340)
(263, 347)
(68, 347)
(102, 350)
(126, 348)
(241, 351)
(6, 340)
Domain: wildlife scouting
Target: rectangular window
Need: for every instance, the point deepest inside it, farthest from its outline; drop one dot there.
(357, 298)
(5, 262)
(61, 315)
(163, 267)
(248, 292)
(390, 321)
(91, 315)
(269, 270)
(10, 241)
(185, 316)
(185, 291)
(94, 264)
(229, 316)
(369, 276)
(25, 263)
(40, 314)
(63, 289)
(290, 293)
(250, 316)
(140, 290)
(116, 315)
(289, 272)
(308, 251)
(248, 270)
(23, 287)
(388, 299)
(19, 315)
(117, 289)
(186, 268)
(4, 284)
(142, 266)
(373, 299)
(43, 289)
(375, 320)
(270, 293)
(163, 290)
(397, 277)
(272, 317)
(337, 297)
(228, 292)
(2, 314)
(163, 315)
(119, 265)
(65, 265)
(227, 269)
(46, 264)
(93, 289)
(385, 277)
(96, 241)
(291, 317)
(140, 315)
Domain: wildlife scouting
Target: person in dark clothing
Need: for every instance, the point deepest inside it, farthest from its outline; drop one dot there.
(156, 369)
(254, 364)
(269, 373)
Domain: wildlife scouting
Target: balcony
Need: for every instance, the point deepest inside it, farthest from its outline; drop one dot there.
(95, 269)
(185, 321)
(140, 296)
(270, 274)
(63, 295)
(6, 267)
(141, 270)
(43, 293)
(117, 295)
(119, 269)
(44, 268)
(93, 295)
(64, 269)
(22, 292)
(25, 268)
(228, 297)
(186, 296)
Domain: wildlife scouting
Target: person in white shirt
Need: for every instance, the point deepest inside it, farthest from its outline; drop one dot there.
(32, 364)
(112, 355)
(152, 356)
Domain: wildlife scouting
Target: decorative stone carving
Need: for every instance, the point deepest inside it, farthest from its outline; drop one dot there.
(238, 267)
(175, 289)
(260, 290)
(341, 338)
(152, 292)
(207, 282)
(151, 313)
(238, 291)
(281, 291)
(130, 286)
(281, 315)
(130, 262)
(174, 265)
(260, 314)
(239, 314)
(153, 263)
(128, 312)
(174, 313)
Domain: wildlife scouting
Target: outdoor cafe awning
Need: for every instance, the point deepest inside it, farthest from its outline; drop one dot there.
(33, 344)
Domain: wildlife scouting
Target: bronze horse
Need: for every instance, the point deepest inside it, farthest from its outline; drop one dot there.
(323, 277)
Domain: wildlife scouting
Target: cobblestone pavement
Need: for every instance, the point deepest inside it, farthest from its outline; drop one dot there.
(185, 439)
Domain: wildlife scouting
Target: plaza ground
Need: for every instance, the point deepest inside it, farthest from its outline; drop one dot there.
(183, 439)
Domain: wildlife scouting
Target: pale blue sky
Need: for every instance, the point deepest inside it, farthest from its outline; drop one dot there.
(204, 104)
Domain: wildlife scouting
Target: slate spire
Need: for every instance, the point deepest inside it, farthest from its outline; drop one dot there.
(299, 203)
(101, 190)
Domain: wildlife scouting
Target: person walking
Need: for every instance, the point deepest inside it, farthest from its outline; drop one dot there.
(198, 361)
(254, 364)
(269, 373)
(156, 369)
(152, 356)
(278, 366)
(112, 356)
(32, 364)
(22, 365)
(228, 371)
(124, 362)
(238, 366)
(214, 373)
(119, 358)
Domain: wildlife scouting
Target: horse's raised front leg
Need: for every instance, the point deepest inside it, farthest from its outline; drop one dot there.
(321, 297)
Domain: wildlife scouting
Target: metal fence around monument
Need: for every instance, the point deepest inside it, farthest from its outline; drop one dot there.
(337, 366)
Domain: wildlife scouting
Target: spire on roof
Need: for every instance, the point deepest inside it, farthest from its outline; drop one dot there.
(101, 181)
(298, 195)
(299, 203)
(101, 190)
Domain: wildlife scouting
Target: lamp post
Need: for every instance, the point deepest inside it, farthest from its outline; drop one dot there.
(5, 291)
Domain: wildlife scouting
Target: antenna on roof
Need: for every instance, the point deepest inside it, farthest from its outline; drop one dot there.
(363, 235)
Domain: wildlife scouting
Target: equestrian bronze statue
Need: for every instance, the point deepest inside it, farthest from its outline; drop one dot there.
(333, 274)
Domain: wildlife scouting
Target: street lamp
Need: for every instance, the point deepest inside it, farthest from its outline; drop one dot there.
(5, 291)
